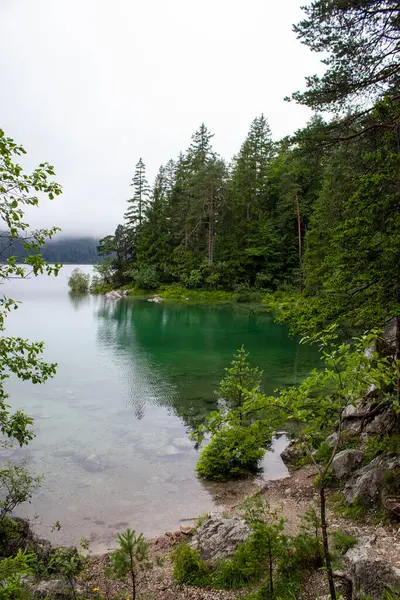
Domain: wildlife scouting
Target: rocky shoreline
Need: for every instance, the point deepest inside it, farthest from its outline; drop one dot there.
(372, 564)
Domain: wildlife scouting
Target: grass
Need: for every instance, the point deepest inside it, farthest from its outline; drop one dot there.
(177, 292)
(343, 542)
(354, 512)
(200, 520)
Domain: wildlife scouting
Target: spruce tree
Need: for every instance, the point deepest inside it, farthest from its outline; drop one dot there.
(249, 194)
(139, 202)
(153, 241)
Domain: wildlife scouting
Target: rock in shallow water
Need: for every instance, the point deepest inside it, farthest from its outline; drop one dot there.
(156, 299)
(93, 464)
(114, 295)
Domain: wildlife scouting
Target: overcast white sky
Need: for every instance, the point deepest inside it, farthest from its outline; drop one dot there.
(92, 85)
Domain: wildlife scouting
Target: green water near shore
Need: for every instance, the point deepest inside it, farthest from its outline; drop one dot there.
(133, 376)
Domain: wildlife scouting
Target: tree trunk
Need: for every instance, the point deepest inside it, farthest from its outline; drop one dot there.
(398, 368)
(327, 555)
(299, 234)
(133, 578)
(271, 573)
(211, 229)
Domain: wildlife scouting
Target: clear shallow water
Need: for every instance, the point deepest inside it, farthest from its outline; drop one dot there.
(133, 376)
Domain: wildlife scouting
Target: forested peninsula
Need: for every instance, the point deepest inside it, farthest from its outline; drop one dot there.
(309, 225)
(314, 216)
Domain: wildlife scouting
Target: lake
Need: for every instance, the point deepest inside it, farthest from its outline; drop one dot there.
(133, 377)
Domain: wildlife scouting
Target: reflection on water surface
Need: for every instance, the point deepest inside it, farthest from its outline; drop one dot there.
(133, 376)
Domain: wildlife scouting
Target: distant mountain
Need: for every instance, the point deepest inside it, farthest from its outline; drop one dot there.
(73, 250)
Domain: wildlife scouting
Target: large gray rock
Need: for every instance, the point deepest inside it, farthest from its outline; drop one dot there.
(54, 588)
(369, 416)
(383, 422)
(370, 576)
(346, 463)
(368, 483)
(217, 538)
(365, 487)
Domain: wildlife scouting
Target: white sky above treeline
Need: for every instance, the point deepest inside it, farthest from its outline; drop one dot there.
(92, 85)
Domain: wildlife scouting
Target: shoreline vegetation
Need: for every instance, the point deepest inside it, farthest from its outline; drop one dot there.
(306, 227)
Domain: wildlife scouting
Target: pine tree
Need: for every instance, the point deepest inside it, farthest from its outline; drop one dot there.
(153, 242)
(138, 204)
(250, 171)
(249, 197)
(200, 151)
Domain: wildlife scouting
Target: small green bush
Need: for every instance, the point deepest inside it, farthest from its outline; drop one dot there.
(244, 293)
(78, 282)
(349, 440)
(12, 572)
(355, 511)
(188, 568)
(146, 278)
(232, 453)
(330, 479)
(381, 444)
(343, 541)
(323, 453)
(194, 279)
(305, 552)
(200, 520)
(245, 567)
(392, 482)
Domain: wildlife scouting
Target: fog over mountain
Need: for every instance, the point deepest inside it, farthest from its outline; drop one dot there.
(91, 86)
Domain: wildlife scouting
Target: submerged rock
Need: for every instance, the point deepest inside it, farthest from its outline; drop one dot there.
(218, 537)
(182, 444)
(93, 464)
(156, 299)
(113, 295)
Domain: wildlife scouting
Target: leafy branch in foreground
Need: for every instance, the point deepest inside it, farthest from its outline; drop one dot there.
(19, 357)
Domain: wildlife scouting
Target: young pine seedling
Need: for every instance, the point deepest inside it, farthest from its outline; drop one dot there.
(126, 558)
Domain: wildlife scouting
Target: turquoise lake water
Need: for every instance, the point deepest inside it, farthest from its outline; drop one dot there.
(133, 376)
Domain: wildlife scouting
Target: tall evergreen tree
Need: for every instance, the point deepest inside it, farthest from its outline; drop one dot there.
(139, 202)
(200, 151)
(153, 242)
(249, 191)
